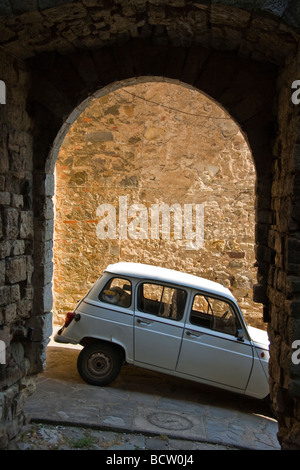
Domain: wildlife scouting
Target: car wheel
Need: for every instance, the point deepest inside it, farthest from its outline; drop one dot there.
(99, 364)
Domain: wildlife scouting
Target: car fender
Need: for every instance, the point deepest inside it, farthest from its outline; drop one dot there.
(258, 384)
(88, 328)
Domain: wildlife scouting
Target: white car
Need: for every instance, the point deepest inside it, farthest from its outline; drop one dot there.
(169, 322)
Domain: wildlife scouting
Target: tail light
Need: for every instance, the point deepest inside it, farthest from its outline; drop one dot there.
(69, 318)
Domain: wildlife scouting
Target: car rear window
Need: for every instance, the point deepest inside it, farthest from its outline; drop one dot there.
(117, 291)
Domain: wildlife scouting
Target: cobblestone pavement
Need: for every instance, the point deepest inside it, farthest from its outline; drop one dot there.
(39, 436)
(140, 410)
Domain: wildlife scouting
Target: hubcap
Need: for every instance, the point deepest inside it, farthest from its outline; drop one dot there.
(99, 364)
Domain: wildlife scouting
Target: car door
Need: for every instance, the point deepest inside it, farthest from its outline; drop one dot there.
(158, 325)
(210, 349)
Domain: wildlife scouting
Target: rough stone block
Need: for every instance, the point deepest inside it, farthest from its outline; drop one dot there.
(4, 198)
(292, 14)
(15, 293)
(43, 299)
(17, 201)
(10, 222)
(17, 352)
(44, 207)
(42, 325)
(44, 251)
(10, 313)
(4, 162)
(4, 295)
(2, 272)
(45, 272)
(98, 136)
(293, 285)
(16, 269)
(26, 225)
(17, 247)
(260, 294)
(24, 308)
(2, 182)
(36, 350)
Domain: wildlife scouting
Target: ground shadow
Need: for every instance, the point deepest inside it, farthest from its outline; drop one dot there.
(61, 365)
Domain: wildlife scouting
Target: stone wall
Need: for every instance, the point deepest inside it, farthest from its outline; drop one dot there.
(284, 267)
(16, 248)
(154, 143)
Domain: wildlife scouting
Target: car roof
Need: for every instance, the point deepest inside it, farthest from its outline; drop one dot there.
(157, 273)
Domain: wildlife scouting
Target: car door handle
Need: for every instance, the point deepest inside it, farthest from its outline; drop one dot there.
(143, 322)
(196, 335)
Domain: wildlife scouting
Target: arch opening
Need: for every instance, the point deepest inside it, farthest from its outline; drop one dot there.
(134, 150)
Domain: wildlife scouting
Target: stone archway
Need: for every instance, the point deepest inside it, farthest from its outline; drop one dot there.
(243, 57)
(252, 109)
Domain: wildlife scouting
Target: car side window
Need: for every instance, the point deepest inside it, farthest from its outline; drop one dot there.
(213, 313)
(117, 291)
(161, 300)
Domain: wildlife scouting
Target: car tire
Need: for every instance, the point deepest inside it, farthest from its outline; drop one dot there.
(99, 364)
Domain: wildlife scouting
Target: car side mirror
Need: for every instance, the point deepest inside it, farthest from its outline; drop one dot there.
(239, 335)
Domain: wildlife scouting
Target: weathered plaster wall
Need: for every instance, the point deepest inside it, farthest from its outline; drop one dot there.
(155, 143)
